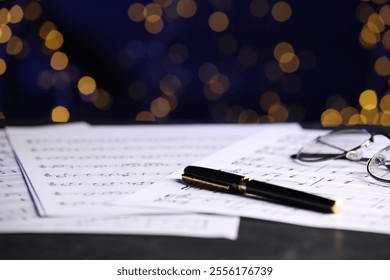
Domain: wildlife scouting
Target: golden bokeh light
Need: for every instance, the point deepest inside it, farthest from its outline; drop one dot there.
(248, 116)
(357, 119)
(152, 12)
(259, 8)
(367, 38)
(347, 113)
(154, 27)
(364, 11)
(24, 52)
(384, 13)
(16, 13)
(336, 101)
(170, 12)
(370, 117)
(206, 71)
(289, 62)
(172, 99)
(264, 119)
(32, 11)
(59, 61)
(156, 15)
(386, 39)
(331, 117)
(5, 34)
(60, 114)
(170, 85)
(5, 16)
(218, 21)
(14, 45)
(268, 99)
(45, 28)
(375, 23)
(54, 40)
(380, 2)
(281, 49)
(368, 99)
(385, 104)
(145, 116)
(384, 119)
(186, 8)
(281, 11)
(382, 66)
(86, 85)
(286, 58)
(278, 113)
(233, 113)
(102, 100)
(3, 66)
(160, 107)
(219, 83)
(136, 12)
(163, 3)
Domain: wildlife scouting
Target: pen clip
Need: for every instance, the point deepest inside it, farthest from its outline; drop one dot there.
(204, 184)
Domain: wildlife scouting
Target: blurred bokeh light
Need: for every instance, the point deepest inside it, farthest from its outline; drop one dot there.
(205, 61)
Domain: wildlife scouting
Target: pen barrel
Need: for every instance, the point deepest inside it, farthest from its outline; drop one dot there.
(291, 197)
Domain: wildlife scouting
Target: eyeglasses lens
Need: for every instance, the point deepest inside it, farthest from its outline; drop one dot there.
(379, 165)
(333, 145)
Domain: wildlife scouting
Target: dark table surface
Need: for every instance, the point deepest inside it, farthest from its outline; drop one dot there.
(257, 240)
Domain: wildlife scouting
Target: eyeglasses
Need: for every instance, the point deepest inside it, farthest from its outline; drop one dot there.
(347, 144)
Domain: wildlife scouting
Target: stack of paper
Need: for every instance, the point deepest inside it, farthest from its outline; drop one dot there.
(126, 179)
(366, 201)
(75, 173)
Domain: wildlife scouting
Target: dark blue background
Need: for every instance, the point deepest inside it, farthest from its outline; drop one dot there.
(96, 32)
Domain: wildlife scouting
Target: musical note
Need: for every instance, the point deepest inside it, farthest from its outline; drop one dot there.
(266, 157)
(17, 213)
(109, 159)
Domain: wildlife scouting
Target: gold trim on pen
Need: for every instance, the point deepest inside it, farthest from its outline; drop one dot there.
(203, 184)
(242, 185)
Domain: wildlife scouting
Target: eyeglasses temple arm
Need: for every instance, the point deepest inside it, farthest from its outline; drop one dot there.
(364, 159)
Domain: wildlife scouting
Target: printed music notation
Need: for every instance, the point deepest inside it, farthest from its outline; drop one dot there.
(17, 212)
(125, 174)
(109, 159)
(99, 184)
(96, 166)
(366, 202)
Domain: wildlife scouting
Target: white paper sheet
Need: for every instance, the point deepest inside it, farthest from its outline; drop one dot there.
(17, 213)
(82, 171)
(266, 157)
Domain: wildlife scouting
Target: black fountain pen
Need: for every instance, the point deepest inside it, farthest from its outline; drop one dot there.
(219, 180)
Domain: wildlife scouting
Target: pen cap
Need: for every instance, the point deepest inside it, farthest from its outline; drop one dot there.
(212, 175)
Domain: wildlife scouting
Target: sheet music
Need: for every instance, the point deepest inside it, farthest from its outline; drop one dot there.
(83, 170)
(17, 213)
(266, 157)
